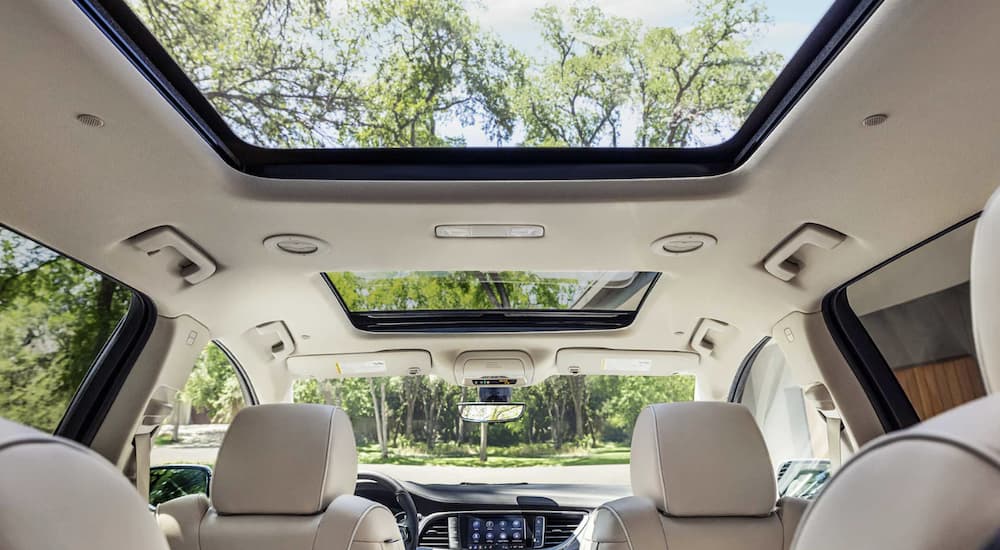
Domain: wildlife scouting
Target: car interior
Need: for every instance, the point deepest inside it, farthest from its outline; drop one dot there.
(446, 274)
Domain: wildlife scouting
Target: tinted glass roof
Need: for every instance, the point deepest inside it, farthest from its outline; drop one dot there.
(449, 73)
(439, 291)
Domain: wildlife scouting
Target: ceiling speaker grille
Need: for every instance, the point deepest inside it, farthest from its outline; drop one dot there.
(93, 121)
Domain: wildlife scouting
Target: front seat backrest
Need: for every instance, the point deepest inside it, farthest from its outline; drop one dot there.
(935, 485)
(56, 494)
(702, 479)
(284, 478)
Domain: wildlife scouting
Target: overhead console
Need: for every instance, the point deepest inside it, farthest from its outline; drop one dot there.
(494, 368)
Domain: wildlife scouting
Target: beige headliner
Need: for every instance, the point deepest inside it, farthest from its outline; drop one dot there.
(928, 64)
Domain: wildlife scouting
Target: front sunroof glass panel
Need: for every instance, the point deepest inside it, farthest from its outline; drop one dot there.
(413, 291)
(451, 73)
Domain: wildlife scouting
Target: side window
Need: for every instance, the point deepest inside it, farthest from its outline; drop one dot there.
(917, 312)
(55, 317)
(793, 428)
(206, 405)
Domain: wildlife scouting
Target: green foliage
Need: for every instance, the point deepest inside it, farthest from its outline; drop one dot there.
(618, 400)
(608, 409)
(213, 386)
(456, 290)
(576, 98)
(431, 61)
(55, 316)
(393, 73)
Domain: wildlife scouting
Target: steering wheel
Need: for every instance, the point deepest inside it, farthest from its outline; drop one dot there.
(408, 526)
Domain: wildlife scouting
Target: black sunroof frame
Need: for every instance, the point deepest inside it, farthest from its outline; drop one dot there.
(117, 21)
(490, 320)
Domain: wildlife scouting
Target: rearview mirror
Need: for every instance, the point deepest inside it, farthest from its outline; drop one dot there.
(170, 482)
(490, 413)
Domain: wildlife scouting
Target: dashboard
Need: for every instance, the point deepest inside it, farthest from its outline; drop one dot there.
(501, 530)
(515, 516)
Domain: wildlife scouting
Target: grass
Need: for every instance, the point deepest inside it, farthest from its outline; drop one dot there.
(499, 457)
(164, 439)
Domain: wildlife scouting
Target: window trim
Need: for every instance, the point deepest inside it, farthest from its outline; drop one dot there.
(473, 321)
(107, 374)
(117, 21)
(743, 372)
(884, 392)
(246, 386)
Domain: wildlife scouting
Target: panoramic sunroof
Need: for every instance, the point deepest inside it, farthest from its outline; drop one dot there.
(453, 73)
(491, 300)
(466, 89)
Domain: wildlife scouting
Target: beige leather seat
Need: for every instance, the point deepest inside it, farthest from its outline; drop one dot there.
(933, 486)
(702, 479)
(284, 479)
(55, 494)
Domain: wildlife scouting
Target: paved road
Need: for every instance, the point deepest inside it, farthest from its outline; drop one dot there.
(614, 474)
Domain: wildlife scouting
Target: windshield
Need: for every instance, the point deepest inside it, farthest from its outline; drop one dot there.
(575, 429)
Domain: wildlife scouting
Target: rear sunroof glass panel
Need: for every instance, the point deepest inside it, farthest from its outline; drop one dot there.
(347, 74)
(514, 291)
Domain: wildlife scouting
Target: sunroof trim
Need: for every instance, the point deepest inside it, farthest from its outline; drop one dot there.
(117, 21)
(494, 320)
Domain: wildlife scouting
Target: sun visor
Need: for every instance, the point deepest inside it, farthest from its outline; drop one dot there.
(624, 362)
(361, 365)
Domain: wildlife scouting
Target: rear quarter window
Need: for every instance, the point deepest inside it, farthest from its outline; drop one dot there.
(917, 312)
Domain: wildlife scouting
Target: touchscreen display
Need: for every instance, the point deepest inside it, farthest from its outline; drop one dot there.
(495, 533)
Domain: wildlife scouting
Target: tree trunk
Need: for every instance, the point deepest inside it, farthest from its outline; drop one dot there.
(578, 391)
(410, 406)
(378, 408)
(177, 417)
(460, 428)
(482, 441)
(384, 440)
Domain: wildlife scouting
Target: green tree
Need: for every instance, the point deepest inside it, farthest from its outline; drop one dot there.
(213, 386)
(703, 82)
(280, 72)
(55, 317)
(619, 399)
(431, 62)
(577, 98)
(686, 86)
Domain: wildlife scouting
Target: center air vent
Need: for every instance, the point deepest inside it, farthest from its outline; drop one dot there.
(435, 534)
(560, 527)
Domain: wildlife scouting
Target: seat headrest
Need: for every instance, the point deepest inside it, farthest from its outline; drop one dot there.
(985, 292)
(57, 494)
(702, 459)
(285, 459)
(927, 487)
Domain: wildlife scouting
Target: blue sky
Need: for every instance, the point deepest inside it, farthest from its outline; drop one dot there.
(792, 19)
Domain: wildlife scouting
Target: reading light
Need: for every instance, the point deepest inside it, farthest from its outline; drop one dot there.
(489, 231)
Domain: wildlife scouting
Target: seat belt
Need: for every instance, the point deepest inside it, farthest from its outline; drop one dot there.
(143, 445)
(823, 401)
(833, 426)
(157, 410)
